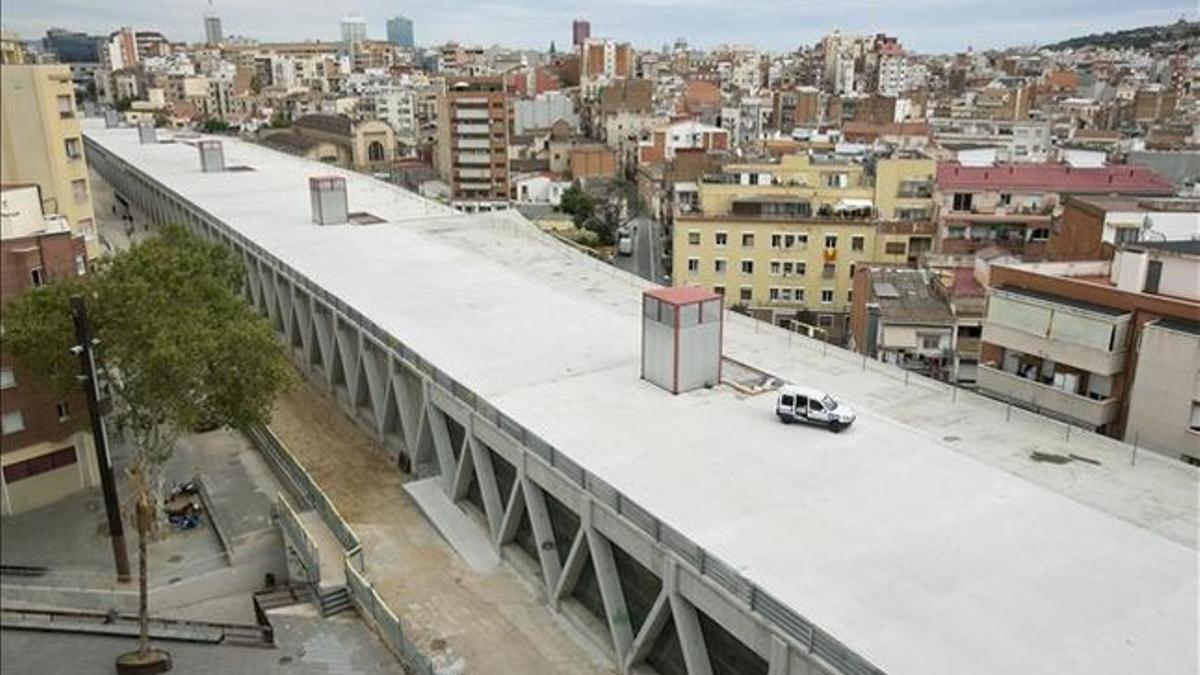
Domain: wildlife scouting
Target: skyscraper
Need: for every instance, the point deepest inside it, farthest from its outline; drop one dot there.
(400, 31)
(354, 33)
(580, 31)
(212, 29)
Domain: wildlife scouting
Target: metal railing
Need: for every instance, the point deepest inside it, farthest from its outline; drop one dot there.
(304, 543)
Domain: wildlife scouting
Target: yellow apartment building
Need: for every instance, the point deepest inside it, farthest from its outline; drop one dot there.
(783, 240)
(41, 143)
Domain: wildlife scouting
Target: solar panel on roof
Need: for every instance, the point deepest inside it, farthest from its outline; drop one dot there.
(886, 289)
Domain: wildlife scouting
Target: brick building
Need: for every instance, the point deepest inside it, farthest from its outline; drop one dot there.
(45, 445)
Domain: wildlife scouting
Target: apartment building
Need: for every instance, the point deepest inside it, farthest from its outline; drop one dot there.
(601, 61)
(472, 143)
(1013, 206)
(1016, 141)
(41, 143)
(46, 448)
(1112, 346)
(666, 140)
(783, 240)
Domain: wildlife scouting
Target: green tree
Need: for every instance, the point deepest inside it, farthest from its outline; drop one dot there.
(213, 125)
(178, 346)
(579, 204)
(278, 121)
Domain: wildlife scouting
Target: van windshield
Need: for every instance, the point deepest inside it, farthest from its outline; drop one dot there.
(829, 403)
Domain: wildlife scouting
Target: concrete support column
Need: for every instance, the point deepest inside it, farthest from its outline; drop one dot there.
(687, 623)
(436, 420)
(543, 533)
(485, 473)
(572, 567)
(615, 610)
(779, 660)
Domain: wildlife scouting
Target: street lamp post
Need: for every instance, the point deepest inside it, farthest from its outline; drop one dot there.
(91, 389)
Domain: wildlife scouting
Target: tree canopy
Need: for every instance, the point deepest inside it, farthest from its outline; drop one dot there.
(178, 343)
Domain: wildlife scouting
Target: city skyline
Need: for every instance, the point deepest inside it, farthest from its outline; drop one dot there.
(937, 26)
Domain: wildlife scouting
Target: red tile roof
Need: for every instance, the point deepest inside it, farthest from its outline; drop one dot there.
(1053, 178)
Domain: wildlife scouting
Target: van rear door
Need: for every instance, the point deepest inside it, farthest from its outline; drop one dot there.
(802, 407)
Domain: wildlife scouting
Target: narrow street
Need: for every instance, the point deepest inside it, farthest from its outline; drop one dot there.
(648, 243)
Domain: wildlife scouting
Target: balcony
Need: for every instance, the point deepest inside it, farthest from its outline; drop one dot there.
(1063, 331)
(472, 129)
(1045, 399)
(471, 114)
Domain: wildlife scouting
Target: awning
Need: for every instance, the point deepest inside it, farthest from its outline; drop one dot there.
(853, 205)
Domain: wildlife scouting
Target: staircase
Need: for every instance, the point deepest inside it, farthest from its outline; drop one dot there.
(283, 596)
(333, 600)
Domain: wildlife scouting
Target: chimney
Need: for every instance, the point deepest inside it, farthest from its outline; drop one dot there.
(112, 118)
(212, 156)
(682, 331)
(329, 205)
(147, 133)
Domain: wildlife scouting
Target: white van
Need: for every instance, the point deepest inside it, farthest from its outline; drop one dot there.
(803, 404)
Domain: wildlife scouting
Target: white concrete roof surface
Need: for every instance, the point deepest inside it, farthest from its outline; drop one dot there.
(923, 537)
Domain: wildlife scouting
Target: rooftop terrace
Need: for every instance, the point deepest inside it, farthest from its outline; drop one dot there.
(925, 537)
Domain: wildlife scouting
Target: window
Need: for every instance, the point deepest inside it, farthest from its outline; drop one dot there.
(895, 248)
(962, 201)
(722, 238)
(830, 241)
(857, 243)
(1005, 199)
(79, 190)
(719, 290)
(37, 276)
(63, 410)
(1040, 234)
(693, 265)
(66, 109)
(826, 296)
(80, 265)
(798, 294)
(776, 240)
(851, 270)
(747, 294)
(693, 237)
(930, 341)
(850, 296)
(71, 145)
(829, 270)
(1127, 235)
(773, 294)
(825, 321)
(719, 265)
(748, 240)
(8, 378)
(38, 465)
(787, 401)
(12, 422)
(747, 267)
(837, 180)
(776, 268)
(1194, 423)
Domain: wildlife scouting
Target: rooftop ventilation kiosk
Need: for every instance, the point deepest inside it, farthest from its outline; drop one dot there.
(682, 331)
(329, 205)
(212, 156)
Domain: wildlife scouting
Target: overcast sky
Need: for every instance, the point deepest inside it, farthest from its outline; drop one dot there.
(921, 25)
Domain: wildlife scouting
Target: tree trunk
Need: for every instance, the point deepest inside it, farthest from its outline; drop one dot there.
(144, 516)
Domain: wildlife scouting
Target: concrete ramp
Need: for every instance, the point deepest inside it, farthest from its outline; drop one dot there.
(465, 536)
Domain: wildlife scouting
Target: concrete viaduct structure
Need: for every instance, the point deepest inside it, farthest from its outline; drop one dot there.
(665, 603)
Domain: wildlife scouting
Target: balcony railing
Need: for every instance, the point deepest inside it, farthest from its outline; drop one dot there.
(1045, 399)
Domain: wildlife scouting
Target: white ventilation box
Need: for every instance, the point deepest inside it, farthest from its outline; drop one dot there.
(329, 205)
(212, 156)
(147, 133)
(112, 118)
(682, 331)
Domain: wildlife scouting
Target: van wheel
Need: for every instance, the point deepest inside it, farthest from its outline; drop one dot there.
(835, 427)
(785, 419)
